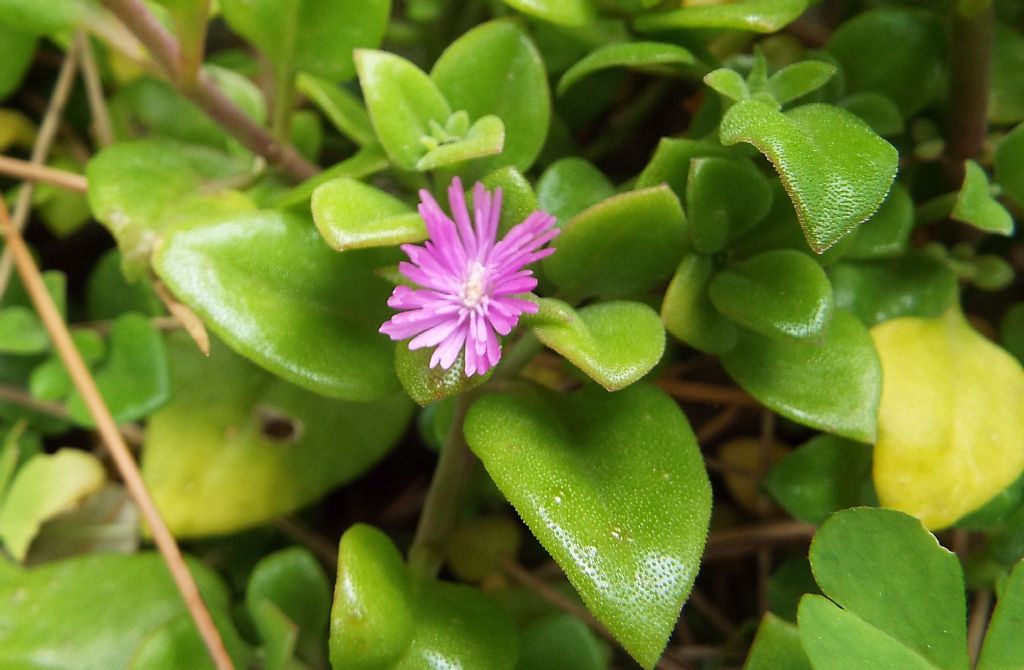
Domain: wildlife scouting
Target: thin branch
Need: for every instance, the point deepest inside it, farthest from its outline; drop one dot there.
(970, 62)
(34, 172)
(977, 623)
(744, 540)
(40, 151)
(715, 616)
(116, 446)
(708, 394)
(318, 544)
(188, 319)
(101, 124)
(204, 93)
(18, 396)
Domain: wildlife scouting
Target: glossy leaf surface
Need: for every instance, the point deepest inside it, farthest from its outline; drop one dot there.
(950, 425)
(976, 206)
(723, 198)
(836, 170)
(644, 56)
(761, 16)
(350, 215)
(425, 384)
(614, 488)
(690, 315)
(562, 12)
(798, 378)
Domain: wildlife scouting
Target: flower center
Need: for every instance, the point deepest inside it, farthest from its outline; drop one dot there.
(472, 293)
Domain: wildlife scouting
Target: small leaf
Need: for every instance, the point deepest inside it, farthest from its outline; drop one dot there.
(777, 647)
(622, 246)
(729, 83)
(615, 343)
(106, 521)
(887, 232)
(51, 381)
(760, 16)
(570, 185)
(486, 137)
(477, 71)
(891, 577)
(21, 332)
(670, 164)
(724, 197)
(272, 316)
(775, 293)
(822, 476)
(16, 51)
(425, 384)
(402, 101)
(367, 161)
(1003, 649)
(876, 110)
(836, 170)
(976, 206)
(643, 56)
(950, 405)
(1006, 97)
(799, 378)
(351, 215)
(799, 79)
(614, 488)
(476, 548)
(562, 12)
(688, 312)
(343, 109)
(42, 488)
(560, 641)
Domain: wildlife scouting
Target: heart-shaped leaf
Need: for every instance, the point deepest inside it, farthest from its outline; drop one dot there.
(688, 312)
(614, 487)
(836, 170)
(45, 486)
(976, 206)
(901, 594)
(643, 56)
(385, 618)
(760, 16)
(402, 101)
(622, 246)
(268, 285)
(798, 378)
(294, 445)
(950, 406)
(799, 79)
(615, 343)
(777, 293)
(570, 185)
(777, 647)
(670, 164)
(724, 197)
(486, 137)
(477, 71)
(350, 214)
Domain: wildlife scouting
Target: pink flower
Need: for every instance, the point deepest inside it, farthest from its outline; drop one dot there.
(468, 281)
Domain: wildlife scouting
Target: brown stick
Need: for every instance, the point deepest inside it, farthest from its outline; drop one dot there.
(118, 449)
(737, 541)
(709, 394)
(32, 172)
(40, 150)
(978, 623)
(165, 50)
(101, 125)
(970, 63)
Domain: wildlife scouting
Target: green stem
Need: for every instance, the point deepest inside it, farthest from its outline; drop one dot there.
(970, 79)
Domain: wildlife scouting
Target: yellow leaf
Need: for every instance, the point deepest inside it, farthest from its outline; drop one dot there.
(951, 421)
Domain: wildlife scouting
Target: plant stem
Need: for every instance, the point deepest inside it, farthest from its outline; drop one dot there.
(102, 128)
(441, 508)
(116, 445)
(204, 93)
(970, 80)
(33, 172)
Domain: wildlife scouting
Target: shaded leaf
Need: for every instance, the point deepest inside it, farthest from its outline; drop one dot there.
(644, 56)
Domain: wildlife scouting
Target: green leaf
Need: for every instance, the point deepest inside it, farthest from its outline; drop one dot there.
(559, 641)
(836, 170)
(317, 36)
(237, 447)
(777, 647)
(486, 137)
(1011, 331)
(295, 584)
(622, 246)
(950, 405)
(887, 232)
(518, 199)
(425, 384)
(688, 312)
(615, 343)
(44, 18)
(108, 294)
(385, 618)
(44, 487)
(897, 52)
(105, 521)
(976, 206)
(1006, 96)
(892, 578)
(563, 12)
(915, 284)
(822, 476)
(1009, 164)
(759, 16)
(724, 197)
(16, 52)
(351, 215)
(94, 612)
(670, 164)
(51, 381)
(775, 293)
(834, 639)
(833, 384)
(799, 79)
(1003, 649)
(570, 185)
(728, 83)
(790, 581)
(270, 316)
(21, 332)
(655, 57)
(365, 162)
(177, 644)
(477, 71)
(402, 101)
(476, 548)
(877, 110)
(342, 108)
(133, 378)
(140, 190)
(614, 488)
